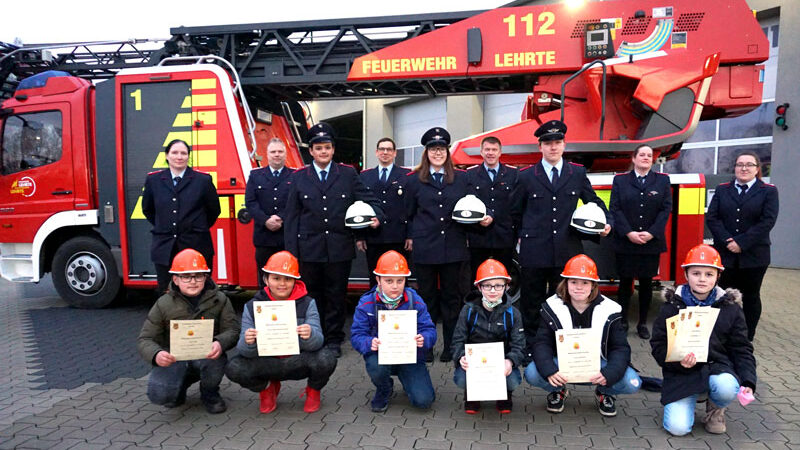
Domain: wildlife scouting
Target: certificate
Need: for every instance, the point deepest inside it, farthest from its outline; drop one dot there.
(486, 374)
(190, 339)
(578, 354)
(396, 331)
(276, 324)
(689, 331)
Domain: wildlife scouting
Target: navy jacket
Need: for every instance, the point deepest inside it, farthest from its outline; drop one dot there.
(438, 239)
(314, 227)
(497, 196)
(748, 221)
(181, 215)
(637, 207)
(729, 350)
(264, 196)
(543, 214)
(392, 199)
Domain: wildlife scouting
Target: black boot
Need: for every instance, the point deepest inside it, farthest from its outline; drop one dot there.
(212, 401)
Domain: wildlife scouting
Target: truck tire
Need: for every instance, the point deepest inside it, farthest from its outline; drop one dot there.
(85, 274)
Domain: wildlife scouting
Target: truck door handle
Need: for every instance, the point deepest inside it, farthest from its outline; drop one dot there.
(61, 192)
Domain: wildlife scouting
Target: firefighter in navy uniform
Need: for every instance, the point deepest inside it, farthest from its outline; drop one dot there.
(437, 242)
(546, 196)
(182, 205)
(265, 197)
(386, 181)
(493, 183)
(315, 231)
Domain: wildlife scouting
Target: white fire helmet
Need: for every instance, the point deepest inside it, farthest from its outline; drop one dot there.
(589, 219)
(359, 215)
(469, 209)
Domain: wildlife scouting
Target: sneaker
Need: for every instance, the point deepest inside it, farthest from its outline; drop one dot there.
(642, 331)
(380, 402)
(268, 397)
(472, 407)
(555, 401)
(714, 419)
(504, 406)
(312, 400)
(606, 404)
(213, 401)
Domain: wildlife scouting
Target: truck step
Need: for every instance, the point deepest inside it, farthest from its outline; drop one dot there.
(22, 279)
(17, 257)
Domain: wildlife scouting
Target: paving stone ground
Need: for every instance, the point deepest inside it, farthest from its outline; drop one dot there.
(79, 412)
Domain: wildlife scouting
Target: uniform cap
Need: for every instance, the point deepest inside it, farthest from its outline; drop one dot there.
(359, 215)
(283, 263)
(490, 269)
(589, 218)
(469, 209)
(581, 267)
(552, 130)
(321, 132)
(392, 264)
(189, 261)
(703, 255)
(435, 136)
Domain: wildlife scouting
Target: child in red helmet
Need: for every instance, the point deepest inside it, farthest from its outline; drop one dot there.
(263, 374)
(579, 304)
(191, 295)
(731, 363)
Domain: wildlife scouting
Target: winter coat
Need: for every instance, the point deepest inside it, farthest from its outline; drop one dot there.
(306, 310)
(729, 350)
(477, 325)
(605, 314)
(212, 304)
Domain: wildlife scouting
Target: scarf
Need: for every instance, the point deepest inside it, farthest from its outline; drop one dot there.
(390, 303)
(491, 305)
(688, 297)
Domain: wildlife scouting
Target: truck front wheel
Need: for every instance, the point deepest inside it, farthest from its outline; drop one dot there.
(84, 273)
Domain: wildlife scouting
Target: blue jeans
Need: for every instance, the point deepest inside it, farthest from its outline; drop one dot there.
(679, 415)
(167, 385)
(415, 379)
(513, 379)
(628, 384)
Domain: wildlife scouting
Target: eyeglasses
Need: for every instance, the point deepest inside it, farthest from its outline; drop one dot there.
(747, 165)
(493, 287)
(435, 150)
(192, 277)
(385, 150)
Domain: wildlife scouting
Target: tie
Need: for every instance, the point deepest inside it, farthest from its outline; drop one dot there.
(276, 173)
(492, 173)
(554, 179)
(742, 189)
(176, 181)
(641, 179)
(383, 175)
(323, 175)
(438, 178)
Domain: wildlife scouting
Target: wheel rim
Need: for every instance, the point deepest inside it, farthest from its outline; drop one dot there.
(85, 273)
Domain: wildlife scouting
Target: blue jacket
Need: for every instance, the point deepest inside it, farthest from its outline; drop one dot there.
(392, 201)
(637, 207)
(748, 221)
(365, 321)
(264, 196)
(497, 196)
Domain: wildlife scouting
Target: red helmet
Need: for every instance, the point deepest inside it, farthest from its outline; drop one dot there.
(283, 263)
(703, 255)
(392, 264)
(189, 261)
(489, 269)
(581, 267)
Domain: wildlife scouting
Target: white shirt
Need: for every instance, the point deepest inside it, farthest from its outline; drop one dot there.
(749, 184)
(318, 169)
(548, 168)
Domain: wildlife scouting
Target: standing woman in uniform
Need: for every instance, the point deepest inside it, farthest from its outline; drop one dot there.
(641, 201)
(740, 217)
(438, 244)
(182, 205)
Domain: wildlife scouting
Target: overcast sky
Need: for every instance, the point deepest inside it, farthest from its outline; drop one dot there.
(59, 21)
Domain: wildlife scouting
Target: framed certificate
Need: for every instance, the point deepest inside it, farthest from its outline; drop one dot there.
(396, 331)
(276, 324)
(486, 374)
(689, 331)
(578, 354)
(190, 339)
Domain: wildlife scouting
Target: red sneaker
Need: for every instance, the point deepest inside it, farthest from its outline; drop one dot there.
(312, 400)
(269, 397)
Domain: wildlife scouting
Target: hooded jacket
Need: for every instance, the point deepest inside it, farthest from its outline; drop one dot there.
(605, 314)
(477, 325)
(365, 321)
(306, 311)
(729, 350)
(173, 305)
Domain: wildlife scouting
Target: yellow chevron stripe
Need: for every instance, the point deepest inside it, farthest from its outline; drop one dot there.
(238, 203)
(137, 210)
(224, 207)
(207, 117)
(204, 137)
(691, 201)
(183, 135)
(204, 83)
(204, 158)
(204, 100)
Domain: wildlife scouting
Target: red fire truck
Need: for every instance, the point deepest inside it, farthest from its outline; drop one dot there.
(75, 153)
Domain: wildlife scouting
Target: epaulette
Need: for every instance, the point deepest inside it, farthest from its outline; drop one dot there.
(575, 164)
(347, 165)
(768, 184)
(199, 171)
(413, 172)
(459, 170)
(662, 173)
(367, 170)
(526, 168)
(153, 172)
(621, 173)
(472, 167)
(725, 183)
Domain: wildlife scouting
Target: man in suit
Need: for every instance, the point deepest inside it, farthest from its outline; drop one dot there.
(493, 183)
(546, 196)
(386, 182)
(315, 231)
(265, 197)
(182, 205)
